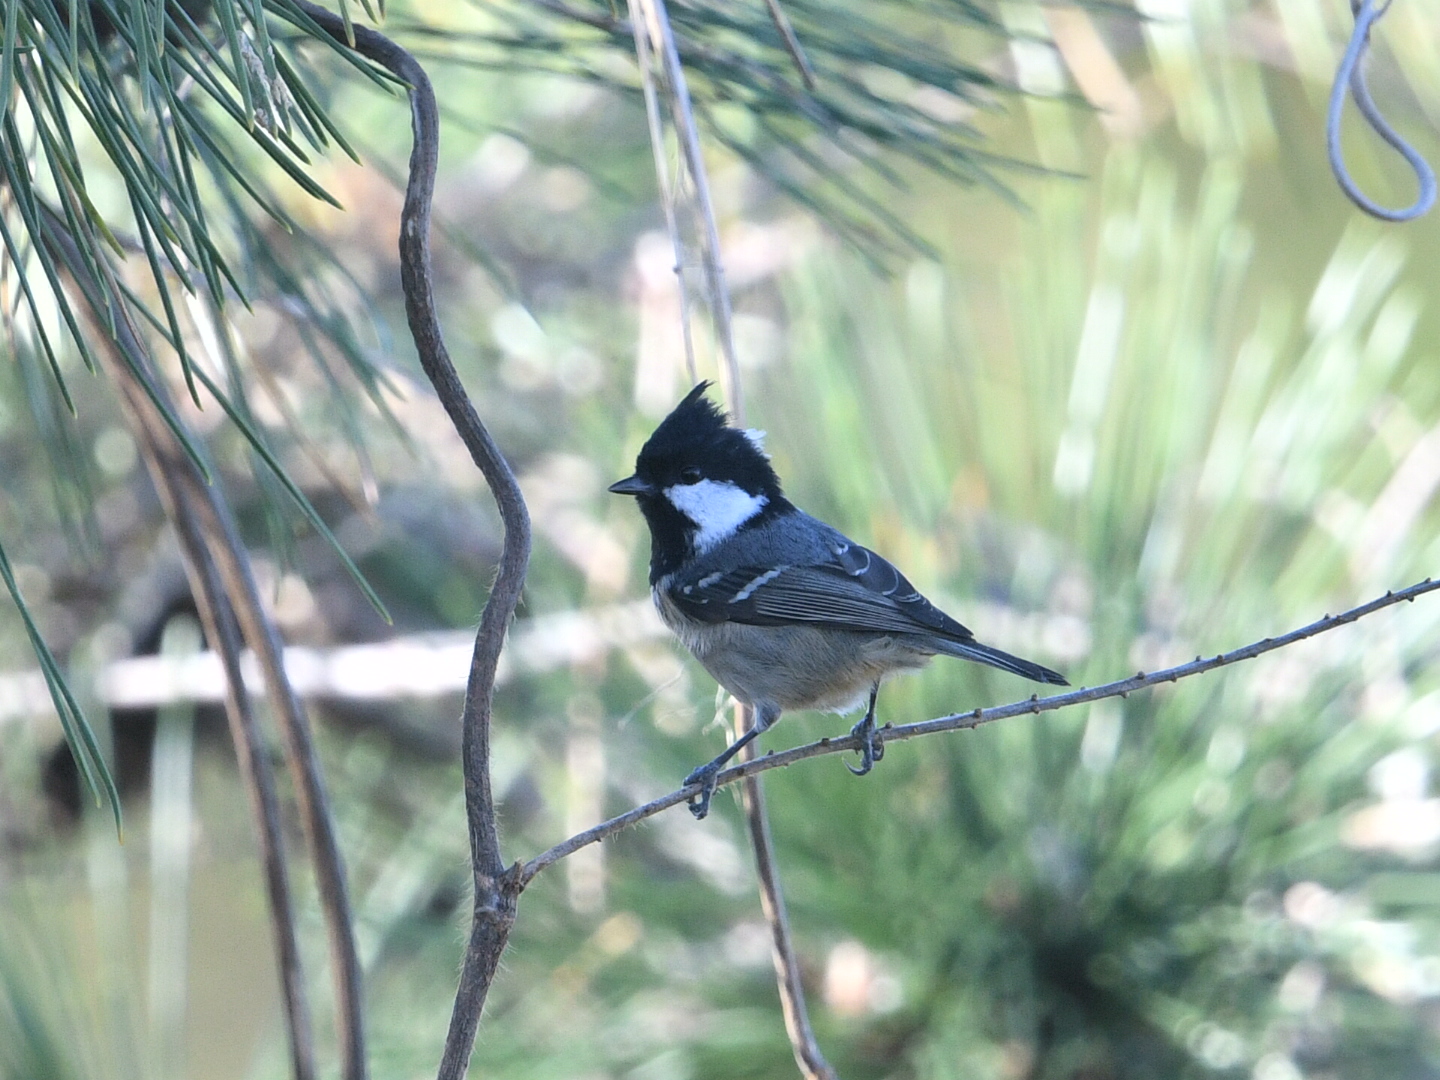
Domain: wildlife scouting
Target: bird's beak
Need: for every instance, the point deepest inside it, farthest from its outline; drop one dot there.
(631, 485)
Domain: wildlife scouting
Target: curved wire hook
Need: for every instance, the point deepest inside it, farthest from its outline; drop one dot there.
(1351, 75)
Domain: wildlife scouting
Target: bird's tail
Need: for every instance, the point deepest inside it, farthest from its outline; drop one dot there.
(973, 650)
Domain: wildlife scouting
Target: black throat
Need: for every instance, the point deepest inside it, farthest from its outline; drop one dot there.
(672, 534)
(696, 443)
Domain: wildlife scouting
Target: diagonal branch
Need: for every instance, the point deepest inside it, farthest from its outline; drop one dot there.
(217, 617)
(668, 189)
(220, 534)
(656, 20)
(965, 721)
(317, 822)
(496, 889)
(792, 43)
(178, 481)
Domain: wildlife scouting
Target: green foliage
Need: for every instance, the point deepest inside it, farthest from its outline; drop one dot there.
(134, 105)
(176, 115)
(1163, 412)
(894, 86)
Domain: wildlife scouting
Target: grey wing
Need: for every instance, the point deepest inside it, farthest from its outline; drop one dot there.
(853, 589)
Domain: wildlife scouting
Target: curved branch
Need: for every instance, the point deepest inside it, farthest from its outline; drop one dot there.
(496, 889)
(973, 719)
(193, 495)
(201, 504)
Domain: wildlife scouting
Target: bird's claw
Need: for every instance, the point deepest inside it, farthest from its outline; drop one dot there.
(704, 776)
(872, 749)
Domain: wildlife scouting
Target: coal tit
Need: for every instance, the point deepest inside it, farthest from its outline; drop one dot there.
(783, 610)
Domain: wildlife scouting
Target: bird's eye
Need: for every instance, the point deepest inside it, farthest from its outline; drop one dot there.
(690, 475)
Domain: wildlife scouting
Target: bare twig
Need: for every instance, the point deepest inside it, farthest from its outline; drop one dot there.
(645, 61)
(808, 1058)
(496, 889)
(806, 1048)
(219, 529)
(967, 720)
(176, 479)
(657, 23)
(163, 460)
(194, 496)
(149, 399)
(792, 43)
(317, 822)
(651, 24)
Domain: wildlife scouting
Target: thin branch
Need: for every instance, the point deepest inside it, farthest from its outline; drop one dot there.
(653, 14)
(792, 43)
(496, 888)
(317, 822)
(650, 20)
(258, 778)
(967, 720)
(221, 536)
(808, 1057)
(658, 23)
(167, 461)
(645, 62)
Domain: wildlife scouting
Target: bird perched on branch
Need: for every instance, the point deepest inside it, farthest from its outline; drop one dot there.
(783, 610)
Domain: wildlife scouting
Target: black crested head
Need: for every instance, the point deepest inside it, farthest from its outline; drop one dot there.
(696, 442)
(692, 445)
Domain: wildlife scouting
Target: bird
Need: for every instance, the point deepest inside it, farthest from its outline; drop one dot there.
(784, 611)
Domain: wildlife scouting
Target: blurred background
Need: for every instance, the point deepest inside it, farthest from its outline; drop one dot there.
(1157, 391)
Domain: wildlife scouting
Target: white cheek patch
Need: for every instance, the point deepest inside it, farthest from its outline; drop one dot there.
(757, 440)
(717, 508)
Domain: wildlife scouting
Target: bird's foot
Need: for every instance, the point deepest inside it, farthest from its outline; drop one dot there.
(872, 748)
(704, 776)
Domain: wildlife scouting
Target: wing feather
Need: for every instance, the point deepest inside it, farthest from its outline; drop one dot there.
(855, 589)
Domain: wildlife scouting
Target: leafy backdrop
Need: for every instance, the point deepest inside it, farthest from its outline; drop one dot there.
(1174, 401)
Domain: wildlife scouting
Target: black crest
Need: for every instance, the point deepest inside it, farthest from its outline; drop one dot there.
(695, 443)
(696, 438)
